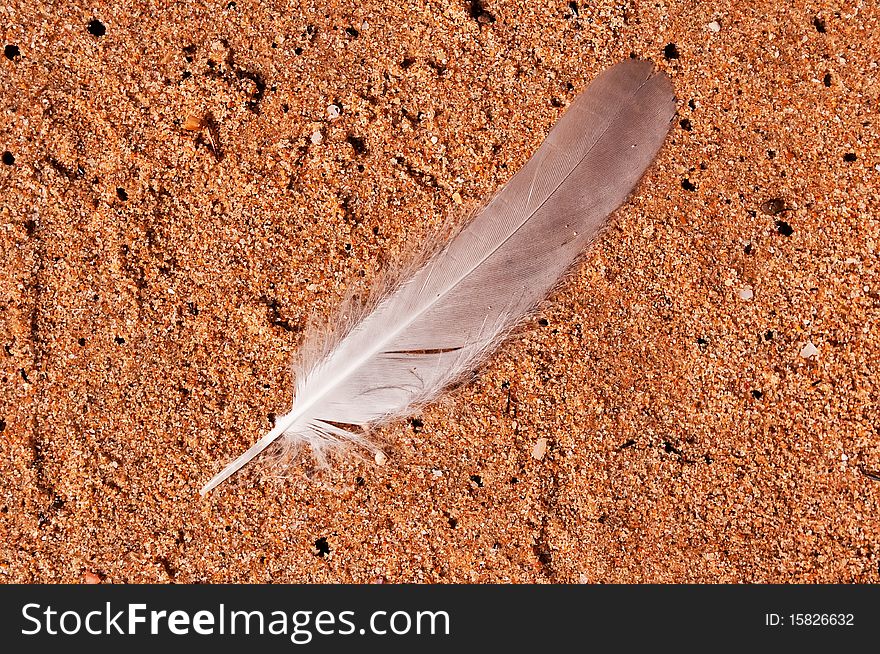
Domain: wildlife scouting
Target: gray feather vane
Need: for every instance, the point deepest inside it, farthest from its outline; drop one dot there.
(463, 301)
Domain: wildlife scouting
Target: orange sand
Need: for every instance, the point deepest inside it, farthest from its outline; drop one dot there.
(182, 204)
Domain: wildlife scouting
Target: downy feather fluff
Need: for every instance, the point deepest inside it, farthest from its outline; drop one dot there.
(446, 317)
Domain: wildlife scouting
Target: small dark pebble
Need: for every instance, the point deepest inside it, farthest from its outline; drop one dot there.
(819, 24)
(96, 28)
(322, 547)
(784, 228)
(479, 13)
(121, 193)
(8, 158)
(686, 125)
(827, 79)
(357, 142)
(671, 51)
(849, 157)
(687, 185)
(11, 52)
(773, 206)
(757, 395)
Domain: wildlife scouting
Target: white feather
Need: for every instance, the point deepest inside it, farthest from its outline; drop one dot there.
(445, 318)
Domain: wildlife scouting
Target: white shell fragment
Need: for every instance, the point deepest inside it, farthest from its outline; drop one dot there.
(540, 449)
(809, 350)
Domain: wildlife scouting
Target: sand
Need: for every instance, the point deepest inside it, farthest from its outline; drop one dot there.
(189, 186)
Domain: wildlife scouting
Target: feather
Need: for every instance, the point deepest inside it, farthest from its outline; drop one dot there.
(445, 318)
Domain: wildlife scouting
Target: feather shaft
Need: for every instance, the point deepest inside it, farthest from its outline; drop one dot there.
(466, 298)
